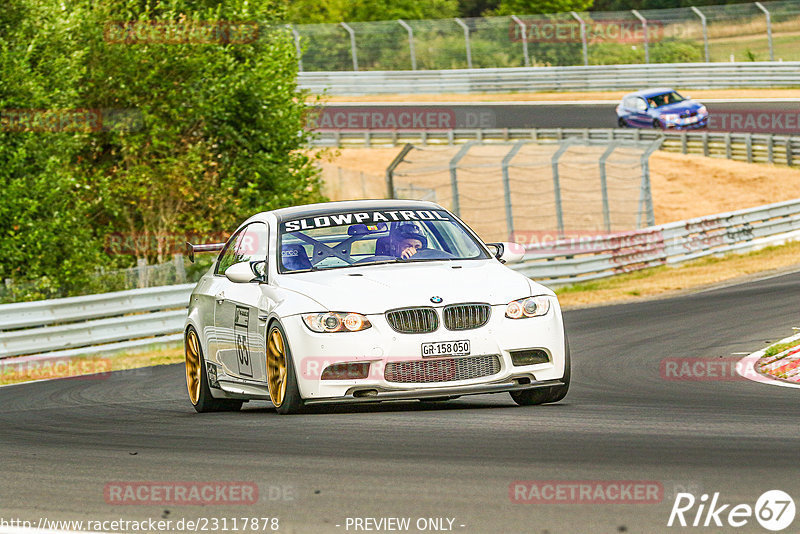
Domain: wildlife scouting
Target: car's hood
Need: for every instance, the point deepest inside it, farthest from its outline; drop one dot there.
(680, 107)
(377, 288)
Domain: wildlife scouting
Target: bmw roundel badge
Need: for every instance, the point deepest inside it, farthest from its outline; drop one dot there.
(436, 300)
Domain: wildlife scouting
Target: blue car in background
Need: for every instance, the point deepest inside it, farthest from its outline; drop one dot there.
(661, 108)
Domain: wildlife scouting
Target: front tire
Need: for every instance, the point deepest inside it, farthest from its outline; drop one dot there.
(281, 376)
(621, 123)
(533, 397)
(197, 379)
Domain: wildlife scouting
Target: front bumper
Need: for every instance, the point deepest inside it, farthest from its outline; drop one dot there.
(381, 345)
(683, 124)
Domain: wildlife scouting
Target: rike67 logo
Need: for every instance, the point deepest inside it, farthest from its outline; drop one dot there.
(774, 510)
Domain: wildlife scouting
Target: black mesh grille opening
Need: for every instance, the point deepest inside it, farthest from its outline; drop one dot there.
(466, 316)
(442, 370)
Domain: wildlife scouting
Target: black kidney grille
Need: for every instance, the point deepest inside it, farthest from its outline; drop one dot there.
(466, 316)
(413, 320)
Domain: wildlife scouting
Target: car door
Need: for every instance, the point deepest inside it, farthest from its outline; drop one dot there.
(236, 313)
(641, 117)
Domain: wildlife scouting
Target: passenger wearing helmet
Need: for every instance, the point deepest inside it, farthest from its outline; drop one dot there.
(406, 240)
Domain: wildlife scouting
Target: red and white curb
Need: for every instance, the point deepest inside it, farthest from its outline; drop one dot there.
(779, 370)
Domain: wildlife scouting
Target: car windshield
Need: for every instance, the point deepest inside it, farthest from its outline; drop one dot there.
(355, 238)
(665, 99)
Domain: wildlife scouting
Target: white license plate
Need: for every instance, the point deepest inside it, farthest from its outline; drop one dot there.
(445, 348)
(691, 120)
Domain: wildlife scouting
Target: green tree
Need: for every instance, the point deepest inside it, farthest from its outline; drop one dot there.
(217, 131)
(531, 7)
(314, 11)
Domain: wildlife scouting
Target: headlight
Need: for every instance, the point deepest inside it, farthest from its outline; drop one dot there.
(702, 110)
(670, 117)
(528, 307)
(336, 322)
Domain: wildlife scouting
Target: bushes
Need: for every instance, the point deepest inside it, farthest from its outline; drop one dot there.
(217, 133)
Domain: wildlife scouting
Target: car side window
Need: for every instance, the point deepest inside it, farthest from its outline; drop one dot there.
(249, 244)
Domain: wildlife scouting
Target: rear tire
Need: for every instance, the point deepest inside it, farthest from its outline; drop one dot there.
(281, 376)
(533, 397)
(197, 379)
(657, 125)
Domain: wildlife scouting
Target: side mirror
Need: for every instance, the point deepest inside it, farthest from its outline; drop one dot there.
(508, 252)
(246, 272)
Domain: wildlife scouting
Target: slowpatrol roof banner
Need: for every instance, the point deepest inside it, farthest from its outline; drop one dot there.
(363, 217)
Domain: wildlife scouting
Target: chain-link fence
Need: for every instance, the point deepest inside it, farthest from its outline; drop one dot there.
(525, 191)
(737, 32)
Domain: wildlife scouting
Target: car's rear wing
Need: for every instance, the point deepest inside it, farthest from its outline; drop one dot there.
(206, 247)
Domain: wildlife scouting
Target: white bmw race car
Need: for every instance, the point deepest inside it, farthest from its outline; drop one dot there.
(367, 301)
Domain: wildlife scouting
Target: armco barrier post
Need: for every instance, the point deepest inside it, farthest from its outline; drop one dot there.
(748, 145)
(507, 186)
(557, 184)
(454, 175)
(524, 39)
(298, 51)
(410, 43)
(770, 156)
(646, 196)
(584, 42)
(392, 166)
(705, 31)
(466, 41)
(603, 186)
(352, 44)
(646, 37)
(760, 6)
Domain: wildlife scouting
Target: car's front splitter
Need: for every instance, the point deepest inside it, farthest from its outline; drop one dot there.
(371, 394)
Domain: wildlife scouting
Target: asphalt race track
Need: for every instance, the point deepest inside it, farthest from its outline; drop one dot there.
(593, 114)
(62, 441)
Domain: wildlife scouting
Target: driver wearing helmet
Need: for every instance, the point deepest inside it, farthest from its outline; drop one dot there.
(406, 240)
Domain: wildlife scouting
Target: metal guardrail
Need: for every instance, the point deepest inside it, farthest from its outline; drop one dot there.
(531, 79)
(753, 148)
(584, 258)
(112, 327)
(93, 324)
(48, 312)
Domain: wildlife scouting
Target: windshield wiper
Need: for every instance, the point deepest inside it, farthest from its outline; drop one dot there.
(379, 262)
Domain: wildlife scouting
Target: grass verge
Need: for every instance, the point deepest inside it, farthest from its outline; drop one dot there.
(777, 348)
(670, 280)
(11, 373)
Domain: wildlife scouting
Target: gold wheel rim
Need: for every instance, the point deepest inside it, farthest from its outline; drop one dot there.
(276, 366)
(193, 369)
